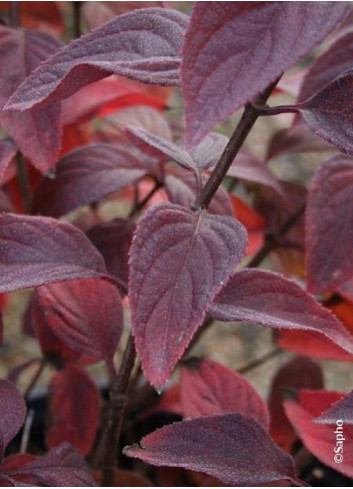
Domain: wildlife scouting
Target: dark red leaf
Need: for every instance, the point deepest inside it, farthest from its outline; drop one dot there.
(12, 413)
(73, 410)
(320, 440)
(62, 466)
(113, 240)
(86, 315)
(179, 261)
(39, 250)
(143, 45)
(86, 175)
(181, 189)
(234, 448)
(268, 299)
(37, 132)
(299, 373)
(266, 37)
(207, 388)
(329, 231)
(340, 410)
(254, 224)
(38, 15)
(328, 113)
(8, 150)
(332, 63)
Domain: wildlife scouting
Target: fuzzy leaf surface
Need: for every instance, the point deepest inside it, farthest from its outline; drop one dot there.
(342, 409)
(143, 45)
(12, 412)
(179, 260)
(234, 448)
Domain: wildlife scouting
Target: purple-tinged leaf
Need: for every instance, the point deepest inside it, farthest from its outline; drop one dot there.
(12, 412)
(208, 388)
(181, 189)
(234, 448)
(86, 315)
(332, 63)
(143, 45)
(85, 175)
(265, 37)
(62, 466)
(203, 156)
(340, 410)
(179, 260)
(37, 132)
(329, 226)
(270, 300)
(329, 113)
(39, 250)
(296, 139)
(113, 240)
(74, 406)
(247, 166)
(8, 150)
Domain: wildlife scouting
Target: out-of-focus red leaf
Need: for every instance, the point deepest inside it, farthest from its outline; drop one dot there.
(86, 315)
(143, 45)
(247, 167)
(207, 388)
(180, 187)
(320, 440)
(17, 461)
(179, 260)
(299, 373)
(290, 83)
(332, 63)
(234, 448)
(62, 466)
(36, 132)
(296, 139)
(73, 410)
(98, 13)
(124, 478)
(12, 413)
(44, 16)
(113, 240)
(340, 410)
(213, 57)
(39, 250)
(8, 150)
(86, 175)
(170, 401)
(253, 223)
(328, 113)
(329, 234)
(268, 299)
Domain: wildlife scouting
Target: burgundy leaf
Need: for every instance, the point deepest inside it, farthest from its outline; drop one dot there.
(113, 240)
(8, 150)
(73, 410)
(247, 167)
(207, 388)
(265, 37)
(234, 448)
(329, 230)
(85, 175)
(62, 466)
(39, 250)
(12, 412)
(299, 373)
(181, 189)
(340, 410)
(37, 132)
(268, 299)
(179, 261)
(143, 45)
(332, 63)
(86, 315)
(321, 440)
(328, 113)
